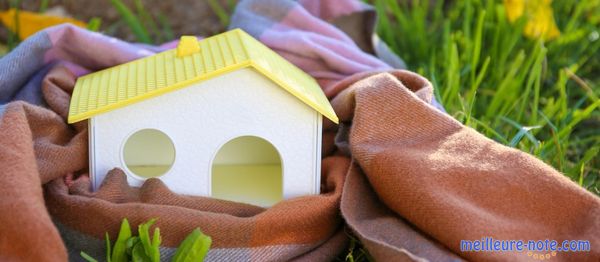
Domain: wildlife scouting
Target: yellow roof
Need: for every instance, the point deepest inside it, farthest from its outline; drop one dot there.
(191, 62)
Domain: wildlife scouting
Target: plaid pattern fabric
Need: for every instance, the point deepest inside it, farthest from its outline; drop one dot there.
(408, 180)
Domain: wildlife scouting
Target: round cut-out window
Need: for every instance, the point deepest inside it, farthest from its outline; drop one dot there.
(149, 153)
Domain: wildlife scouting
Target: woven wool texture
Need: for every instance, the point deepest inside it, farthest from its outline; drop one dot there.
(401, 175)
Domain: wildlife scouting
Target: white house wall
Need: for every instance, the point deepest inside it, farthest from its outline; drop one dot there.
(200, 118)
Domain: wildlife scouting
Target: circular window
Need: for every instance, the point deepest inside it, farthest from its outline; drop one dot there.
(149, 153)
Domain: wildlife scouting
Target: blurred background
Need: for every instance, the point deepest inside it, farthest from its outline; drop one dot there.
(163, 19)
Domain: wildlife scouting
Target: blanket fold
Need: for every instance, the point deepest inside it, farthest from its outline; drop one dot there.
(398, 173)
(450, 181)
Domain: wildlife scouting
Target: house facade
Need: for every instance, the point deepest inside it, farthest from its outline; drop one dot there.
(224, 117)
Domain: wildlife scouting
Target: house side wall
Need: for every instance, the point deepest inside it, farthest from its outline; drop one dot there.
(319, 135)
(201, 118)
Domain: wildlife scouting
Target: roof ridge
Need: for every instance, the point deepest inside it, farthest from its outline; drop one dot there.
(244, 51)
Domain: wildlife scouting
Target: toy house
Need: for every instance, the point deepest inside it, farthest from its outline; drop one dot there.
(224, 117)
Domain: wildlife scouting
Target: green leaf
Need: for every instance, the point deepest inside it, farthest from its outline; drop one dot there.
(87, 257)
(155, 252)
(152, 251)
(130, 244)
(138, 253)
(120, 248)
(193, 248)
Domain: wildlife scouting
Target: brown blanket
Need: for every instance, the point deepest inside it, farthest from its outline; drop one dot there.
(408, 180)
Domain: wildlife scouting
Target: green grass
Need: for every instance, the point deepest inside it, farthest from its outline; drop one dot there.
(539, 97)
(146, 28)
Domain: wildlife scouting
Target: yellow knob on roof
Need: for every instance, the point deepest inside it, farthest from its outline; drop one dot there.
(188, 45)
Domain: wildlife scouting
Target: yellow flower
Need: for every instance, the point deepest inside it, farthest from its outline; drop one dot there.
(540, 19)
(30, 22)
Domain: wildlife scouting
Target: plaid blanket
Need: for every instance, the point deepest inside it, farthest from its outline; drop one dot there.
(398, 173)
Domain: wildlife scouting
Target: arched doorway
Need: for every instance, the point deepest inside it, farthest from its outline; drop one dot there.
(247, 169)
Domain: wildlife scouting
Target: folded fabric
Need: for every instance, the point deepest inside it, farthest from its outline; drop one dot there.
(421, 166)
(408, 180)
(300, 34)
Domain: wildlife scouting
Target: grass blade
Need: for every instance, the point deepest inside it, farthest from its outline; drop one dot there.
(120, 248)
(150, 250)
(108, 249)
(219, 11)
(132, 21)
(87, 257)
